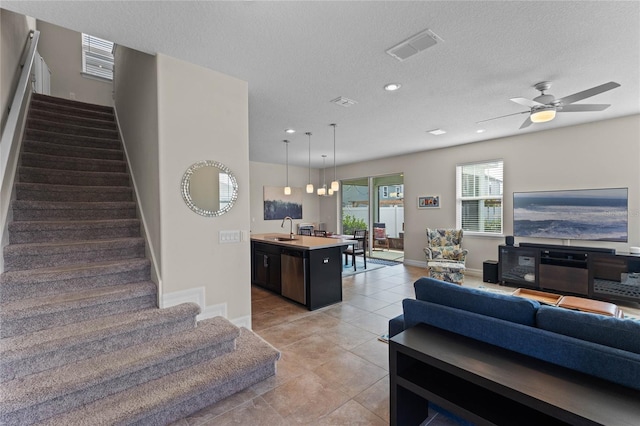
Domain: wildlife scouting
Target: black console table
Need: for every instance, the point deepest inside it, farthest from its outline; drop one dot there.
(488, 385)
(592, 272)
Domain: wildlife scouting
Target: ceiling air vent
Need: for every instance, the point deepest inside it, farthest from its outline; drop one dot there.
(343, 102)
(414, 45)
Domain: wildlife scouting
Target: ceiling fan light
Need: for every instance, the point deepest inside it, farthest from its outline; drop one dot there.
(543, 115)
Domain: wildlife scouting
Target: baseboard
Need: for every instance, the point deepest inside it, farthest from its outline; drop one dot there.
(418, 263)
(244, 321)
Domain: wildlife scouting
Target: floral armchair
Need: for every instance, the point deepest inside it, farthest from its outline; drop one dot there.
(445, 256)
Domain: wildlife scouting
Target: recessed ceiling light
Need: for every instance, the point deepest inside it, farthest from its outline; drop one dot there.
(392, 87)
(480, 131)
(436, 132)
(289, 131)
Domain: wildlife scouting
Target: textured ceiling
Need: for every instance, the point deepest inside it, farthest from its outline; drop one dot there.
(299, 55)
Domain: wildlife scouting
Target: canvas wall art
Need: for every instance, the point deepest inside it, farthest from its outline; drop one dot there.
(277, 205)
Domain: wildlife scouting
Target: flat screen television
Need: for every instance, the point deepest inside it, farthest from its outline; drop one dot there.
(583, 214)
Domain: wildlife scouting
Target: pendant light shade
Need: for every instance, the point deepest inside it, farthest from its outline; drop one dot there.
(335, 185)
(287, 189)
(322, 190)
(309, 185)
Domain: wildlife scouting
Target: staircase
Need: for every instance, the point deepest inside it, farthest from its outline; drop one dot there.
(81, 339)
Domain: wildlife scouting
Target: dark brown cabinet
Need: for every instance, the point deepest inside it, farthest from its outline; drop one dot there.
(266, 267)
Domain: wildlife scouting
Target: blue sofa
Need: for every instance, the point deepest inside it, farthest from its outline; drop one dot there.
(598, 345)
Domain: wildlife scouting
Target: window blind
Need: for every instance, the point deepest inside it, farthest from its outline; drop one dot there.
(479, 196)
(97, 56)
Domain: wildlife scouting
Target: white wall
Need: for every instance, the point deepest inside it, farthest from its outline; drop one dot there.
(604, 154)
(203, 115)
(62, 51)
(136, 105)
(265, 174)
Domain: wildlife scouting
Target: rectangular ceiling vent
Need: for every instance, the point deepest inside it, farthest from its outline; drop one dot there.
(343, 102)
(414, 45)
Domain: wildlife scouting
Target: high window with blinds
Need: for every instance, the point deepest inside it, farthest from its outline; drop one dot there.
(97, 57)
(479, 197)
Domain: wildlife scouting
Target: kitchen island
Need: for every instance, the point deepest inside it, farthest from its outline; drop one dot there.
(307, 270)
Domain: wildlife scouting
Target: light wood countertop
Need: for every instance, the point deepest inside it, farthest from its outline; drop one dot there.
(301, 241)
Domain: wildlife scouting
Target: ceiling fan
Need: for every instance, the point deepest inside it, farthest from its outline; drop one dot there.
(544, 107)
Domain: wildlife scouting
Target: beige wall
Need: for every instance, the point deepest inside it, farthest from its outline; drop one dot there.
(136, 104)
(203, 115)
(14, 29)
(265, 174)
(62, 51)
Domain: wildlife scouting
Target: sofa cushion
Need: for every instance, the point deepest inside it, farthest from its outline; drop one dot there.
(502, 306)
(601, 329)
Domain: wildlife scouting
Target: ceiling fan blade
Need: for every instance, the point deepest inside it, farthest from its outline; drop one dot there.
(502, 116)
(526, 123)
(526, 102)
(587, 93)
(583, 107)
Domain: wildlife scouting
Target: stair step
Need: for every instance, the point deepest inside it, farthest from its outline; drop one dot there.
(35, 135)
(72, 177)
(71, 151)
(30, 159)
(44, 255)
(62, 389)
(49, 192)
(178, 394)
(56, 231)
(30, 315)
(70, 129)
(43, 350)
(72, 103)
(43, 105)
(45, 282)
(60, 117)
(51, 210)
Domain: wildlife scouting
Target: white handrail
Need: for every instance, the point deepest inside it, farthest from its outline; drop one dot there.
(11, 138)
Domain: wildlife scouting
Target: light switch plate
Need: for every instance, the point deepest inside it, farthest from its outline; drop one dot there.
(228, 237)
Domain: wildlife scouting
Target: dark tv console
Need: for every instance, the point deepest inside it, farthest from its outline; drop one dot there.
(585, 271)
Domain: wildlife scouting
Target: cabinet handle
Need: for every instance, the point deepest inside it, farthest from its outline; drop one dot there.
(265, 261)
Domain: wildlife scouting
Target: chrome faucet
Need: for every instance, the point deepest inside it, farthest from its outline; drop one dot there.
(290, 227)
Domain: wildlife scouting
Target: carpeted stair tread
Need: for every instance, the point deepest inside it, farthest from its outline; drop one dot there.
(69, 129)
(60, 117)
(47, 254)
(42, 350)
(75, 384)
(44, 105)
(71, 151)
(50, 192)
(64, 140)
(68, 230)
(45, 161)
(175, 395)
(72, 177)
(24, 210)
(30, 315)
(16, 285)
(73, 103)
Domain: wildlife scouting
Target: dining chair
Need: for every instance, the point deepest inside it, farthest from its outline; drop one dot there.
(359, 247)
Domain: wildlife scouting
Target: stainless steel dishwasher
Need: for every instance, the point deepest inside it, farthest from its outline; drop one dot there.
(292, 265)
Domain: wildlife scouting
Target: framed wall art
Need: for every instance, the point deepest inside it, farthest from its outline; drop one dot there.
(429, 202)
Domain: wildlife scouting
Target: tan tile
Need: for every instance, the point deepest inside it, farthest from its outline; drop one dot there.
(367, 303)
(254, 412)
(305, 399)
(279, 315)
(287, 368)
(373, 323)
(376, 398)
(313, 351)
(206, 414)
(352, 414)
(350, 373)
(387, 296)
(390, 311)
(345, 311)
(346, 335)
(374, 351)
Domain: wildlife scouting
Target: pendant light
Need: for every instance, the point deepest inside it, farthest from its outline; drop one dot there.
(309, 185)
(335, 185)
(287, 189)
(322, 190)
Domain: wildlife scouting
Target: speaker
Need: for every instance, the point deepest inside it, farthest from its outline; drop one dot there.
(508, 240)
(490, 271)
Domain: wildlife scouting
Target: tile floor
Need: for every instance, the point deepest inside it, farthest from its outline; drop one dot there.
(333, 369)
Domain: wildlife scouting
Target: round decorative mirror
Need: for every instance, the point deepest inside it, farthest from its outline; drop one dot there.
(209, 188)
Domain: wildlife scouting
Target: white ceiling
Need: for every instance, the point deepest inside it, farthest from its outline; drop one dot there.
(299, 55)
